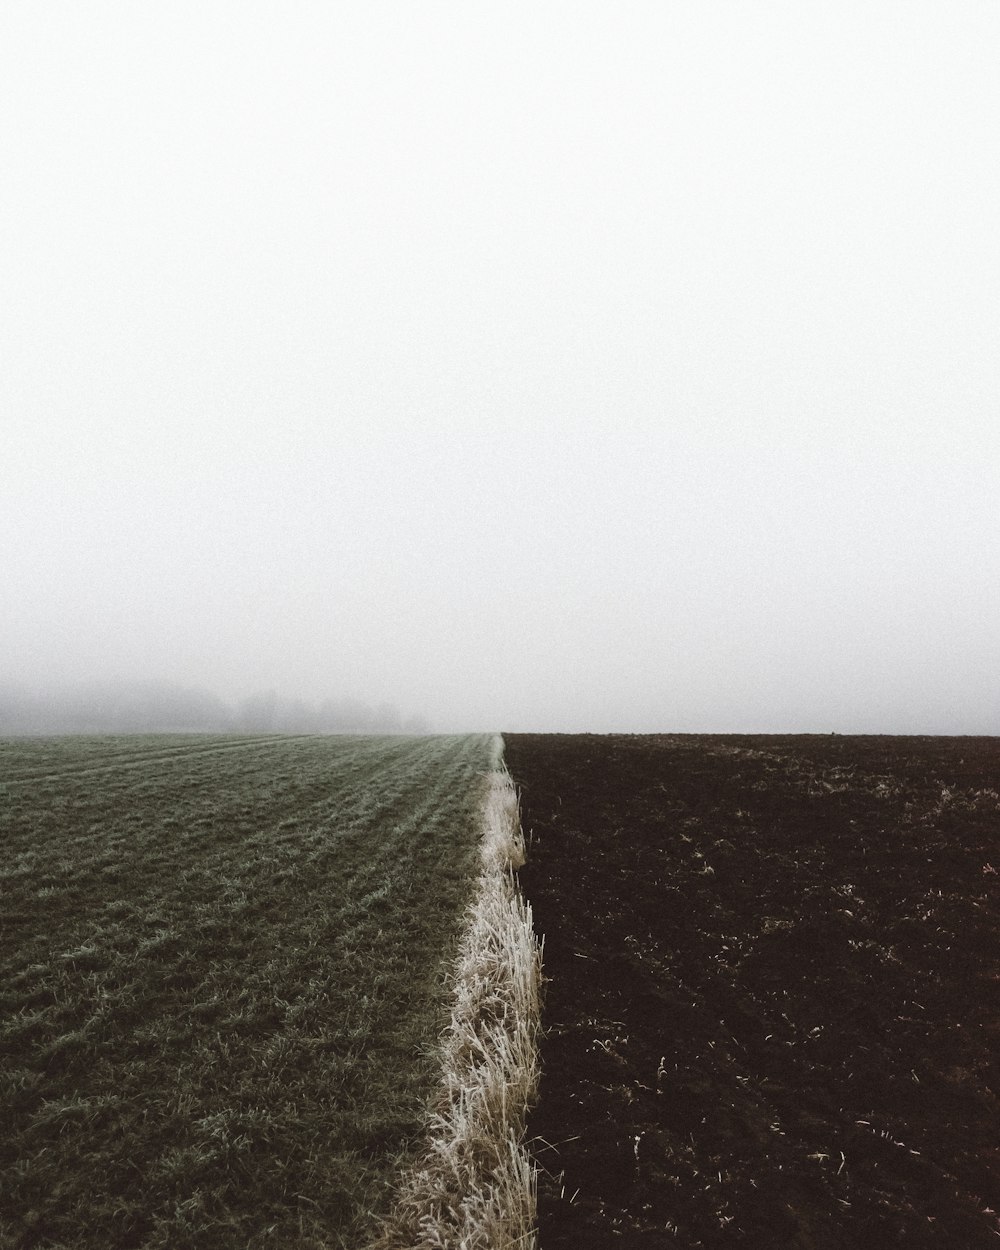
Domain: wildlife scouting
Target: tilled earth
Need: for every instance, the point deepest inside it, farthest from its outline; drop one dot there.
(772, 1014)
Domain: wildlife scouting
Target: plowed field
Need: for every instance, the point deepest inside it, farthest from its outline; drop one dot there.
(772, 1006)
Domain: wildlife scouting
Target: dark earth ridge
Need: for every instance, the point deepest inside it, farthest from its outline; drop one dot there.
(772, 1008)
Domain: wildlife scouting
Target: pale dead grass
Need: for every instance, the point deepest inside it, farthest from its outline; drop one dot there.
(475, 1187)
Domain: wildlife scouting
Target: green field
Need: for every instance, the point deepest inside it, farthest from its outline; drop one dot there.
(221, 976)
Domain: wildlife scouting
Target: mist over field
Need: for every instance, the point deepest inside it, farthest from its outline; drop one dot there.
(613, 367)
(159, 707)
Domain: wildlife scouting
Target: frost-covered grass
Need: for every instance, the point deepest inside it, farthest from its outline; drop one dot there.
(474, 1189)
(221, 965)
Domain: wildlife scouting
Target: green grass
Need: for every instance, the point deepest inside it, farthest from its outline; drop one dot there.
(221, 976)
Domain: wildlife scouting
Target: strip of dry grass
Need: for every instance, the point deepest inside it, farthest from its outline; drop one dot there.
(474, 1189)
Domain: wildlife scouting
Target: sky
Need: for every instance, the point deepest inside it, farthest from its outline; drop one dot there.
(542, 366)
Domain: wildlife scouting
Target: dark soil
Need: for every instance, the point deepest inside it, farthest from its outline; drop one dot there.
(772, 1010)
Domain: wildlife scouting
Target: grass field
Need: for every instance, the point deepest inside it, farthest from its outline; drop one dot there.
(221, 969)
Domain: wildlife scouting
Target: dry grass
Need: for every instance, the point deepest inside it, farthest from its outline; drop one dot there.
(474, 1188)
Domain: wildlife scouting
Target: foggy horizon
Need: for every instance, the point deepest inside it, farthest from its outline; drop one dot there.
(607, 368)
(151, 706)
(110, 707)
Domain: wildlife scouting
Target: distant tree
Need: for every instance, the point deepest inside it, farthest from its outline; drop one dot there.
(294, 716)
(114, 707)
(256, 714)
(387, 720)
(160, 707)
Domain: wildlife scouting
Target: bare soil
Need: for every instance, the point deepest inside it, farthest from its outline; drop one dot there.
(772, 1011)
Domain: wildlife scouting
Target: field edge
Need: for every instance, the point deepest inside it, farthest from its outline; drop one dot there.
(474, 1185)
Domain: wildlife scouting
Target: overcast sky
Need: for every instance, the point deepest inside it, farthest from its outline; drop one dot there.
(557, 366)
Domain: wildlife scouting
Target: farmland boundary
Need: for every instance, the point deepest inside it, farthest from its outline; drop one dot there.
(475, 1187)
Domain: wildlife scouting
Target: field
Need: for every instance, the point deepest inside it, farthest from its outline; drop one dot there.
(221, 975)
(281, 992)
(771, 1007)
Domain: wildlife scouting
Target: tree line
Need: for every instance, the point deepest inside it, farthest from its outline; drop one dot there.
(160, 707)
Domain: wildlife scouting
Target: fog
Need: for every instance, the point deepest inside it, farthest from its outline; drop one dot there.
(114, 707)
(592, 366)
